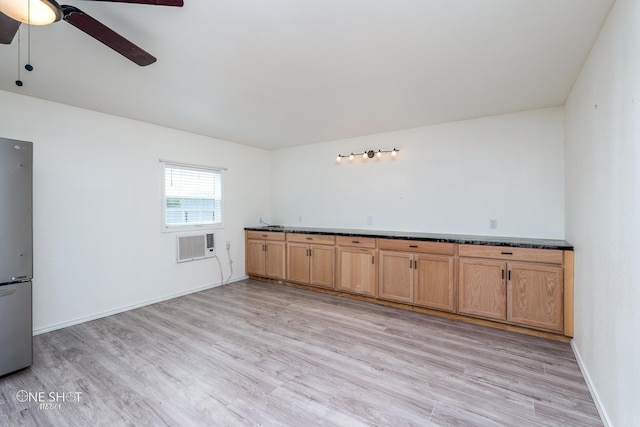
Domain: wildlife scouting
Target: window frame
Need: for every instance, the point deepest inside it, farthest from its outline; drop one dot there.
(167, 228)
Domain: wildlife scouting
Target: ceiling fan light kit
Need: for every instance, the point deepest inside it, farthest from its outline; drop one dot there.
(33, 12)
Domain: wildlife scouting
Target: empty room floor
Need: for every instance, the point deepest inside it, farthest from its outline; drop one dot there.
(254, 353)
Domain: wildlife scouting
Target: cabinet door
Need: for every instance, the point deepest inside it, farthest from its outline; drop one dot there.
(482, 288)
(434, 282)
(322, 268)
(396, 276)
(256, 257)
(298, 262)
(357, 270)
(534, 295)
(275, 260)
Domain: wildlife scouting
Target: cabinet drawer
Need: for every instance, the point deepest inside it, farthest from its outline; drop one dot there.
(550, 256)
(417, 246)
(319, 239)
(265, 235)
(360, 242)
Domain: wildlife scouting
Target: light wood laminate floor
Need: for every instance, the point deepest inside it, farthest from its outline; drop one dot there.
(254, 353)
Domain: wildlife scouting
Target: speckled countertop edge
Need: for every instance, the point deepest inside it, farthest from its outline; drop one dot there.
(517, 242)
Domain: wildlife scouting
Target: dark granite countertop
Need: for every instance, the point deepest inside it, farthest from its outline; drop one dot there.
(517, 242)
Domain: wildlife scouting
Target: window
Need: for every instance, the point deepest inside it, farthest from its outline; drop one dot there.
(192, 196)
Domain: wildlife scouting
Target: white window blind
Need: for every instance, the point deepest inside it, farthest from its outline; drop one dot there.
(192, 196)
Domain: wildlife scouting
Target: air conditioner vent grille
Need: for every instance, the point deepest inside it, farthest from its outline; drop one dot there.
(195, 247)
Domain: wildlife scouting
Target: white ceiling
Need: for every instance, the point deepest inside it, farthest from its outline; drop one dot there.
(278, 73)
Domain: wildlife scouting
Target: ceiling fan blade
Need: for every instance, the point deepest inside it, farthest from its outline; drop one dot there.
(106, 35)
(8, 28)
(177, 3)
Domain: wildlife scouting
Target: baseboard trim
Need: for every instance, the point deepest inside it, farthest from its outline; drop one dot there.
(592, 389)
(107, 313)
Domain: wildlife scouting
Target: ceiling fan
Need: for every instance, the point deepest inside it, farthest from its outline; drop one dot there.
(43, 12)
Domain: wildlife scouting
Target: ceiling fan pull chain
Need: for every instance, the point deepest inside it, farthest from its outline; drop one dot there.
(28, 66)
(19, 82)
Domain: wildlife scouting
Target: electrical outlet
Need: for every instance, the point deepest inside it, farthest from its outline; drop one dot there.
(228, 244)
(370, 220)
(260, 220)
(300, 219)
(493, 224)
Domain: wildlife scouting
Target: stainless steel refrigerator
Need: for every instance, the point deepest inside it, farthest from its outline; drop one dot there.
(16, 255)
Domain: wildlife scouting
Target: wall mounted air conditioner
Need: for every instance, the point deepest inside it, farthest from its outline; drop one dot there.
(195, 246)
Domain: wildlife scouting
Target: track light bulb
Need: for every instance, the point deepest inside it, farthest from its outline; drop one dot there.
(351, 156)
(379, 154)
(339, 158)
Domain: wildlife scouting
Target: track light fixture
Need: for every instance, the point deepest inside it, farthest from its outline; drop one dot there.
(367, 154)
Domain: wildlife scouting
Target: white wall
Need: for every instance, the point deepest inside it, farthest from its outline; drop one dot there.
(448, 178)
(97, 241)
(603, 213)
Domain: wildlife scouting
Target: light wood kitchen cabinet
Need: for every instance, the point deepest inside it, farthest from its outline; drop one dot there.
(265, 254)
(482, 288)
(396, 276)
(298, 262)
(311, 263)
(322, 268)
(425, 279)
(535, 295)
(255, 258)
(434, 282)
(519, 292)
(357, 265)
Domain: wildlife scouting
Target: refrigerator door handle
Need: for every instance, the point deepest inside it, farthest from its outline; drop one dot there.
(7, 293)
(18, 277)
